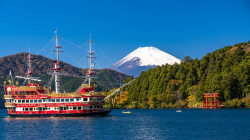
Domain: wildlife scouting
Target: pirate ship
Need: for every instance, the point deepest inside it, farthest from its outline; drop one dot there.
(35, 99)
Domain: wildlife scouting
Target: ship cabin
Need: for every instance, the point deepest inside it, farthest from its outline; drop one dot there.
(37, 99)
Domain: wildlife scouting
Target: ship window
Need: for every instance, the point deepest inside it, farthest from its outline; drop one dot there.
(31, 101)
(9, 93)
(77, 99)
(31, 109)
(71, 100)
(67, 100)
(85, 99)
(62, 100)
(40, 101)
(47, 108)
(19, 101)
(23, 101)
(69, 108)
(79, 108)
(74, 108)
(57, 100)
(53, 100)
(35, 101)
(49, 100)
(90, 99)
(44, 101)
(26, 109)
(27, 101)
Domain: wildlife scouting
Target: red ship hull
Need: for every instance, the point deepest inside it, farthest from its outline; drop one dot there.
(37, 100)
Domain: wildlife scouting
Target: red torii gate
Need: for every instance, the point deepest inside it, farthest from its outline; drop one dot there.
(213, 95)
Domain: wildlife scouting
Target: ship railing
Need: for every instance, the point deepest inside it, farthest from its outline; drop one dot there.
(89, 86)
(8, 96)
(47, 89)
(53, 94)
(86, 86)
(94, 93)
(9, 105)
(30, 87)
(78, 89)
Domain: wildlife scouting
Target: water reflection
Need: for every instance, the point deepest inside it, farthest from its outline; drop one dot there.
(140, 124)
(48, 127)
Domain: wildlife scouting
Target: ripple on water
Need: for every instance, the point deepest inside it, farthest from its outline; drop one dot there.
(140, 124)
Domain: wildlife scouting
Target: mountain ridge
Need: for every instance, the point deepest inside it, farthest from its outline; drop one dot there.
(225, 71)
(41, 64)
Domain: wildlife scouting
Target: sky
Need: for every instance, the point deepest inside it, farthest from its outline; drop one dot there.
(118, 27)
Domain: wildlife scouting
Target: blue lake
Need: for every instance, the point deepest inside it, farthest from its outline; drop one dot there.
(140, 124)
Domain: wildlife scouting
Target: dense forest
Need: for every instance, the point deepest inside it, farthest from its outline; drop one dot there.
(107, 78)
(226, 71)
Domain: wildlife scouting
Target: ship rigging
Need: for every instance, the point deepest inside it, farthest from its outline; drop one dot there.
(35, 99)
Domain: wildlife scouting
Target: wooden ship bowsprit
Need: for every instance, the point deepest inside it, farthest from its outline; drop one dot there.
(34, 99)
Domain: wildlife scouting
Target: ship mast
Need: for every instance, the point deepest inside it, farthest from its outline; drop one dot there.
(90, 71)
(29, 73)
(56, 67)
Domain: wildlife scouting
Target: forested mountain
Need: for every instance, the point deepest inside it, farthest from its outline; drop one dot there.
(41, 65)
(226, 71)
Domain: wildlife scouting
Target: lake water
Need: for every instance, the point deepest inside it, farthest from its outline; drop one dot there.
(140, 124)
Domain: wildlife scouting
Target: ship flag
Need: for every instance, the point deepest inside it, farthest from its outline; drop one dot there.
(10, 73)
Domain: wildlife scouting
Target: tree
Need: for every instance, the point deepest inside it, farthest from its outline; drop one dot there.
(187, 59)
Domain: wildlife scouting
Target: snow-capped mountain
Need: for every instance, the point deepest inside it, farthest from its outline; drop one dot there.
(142, 59)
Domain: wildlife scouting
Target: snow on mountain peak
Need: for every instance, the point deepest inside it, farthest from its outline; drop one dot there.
(148, 56)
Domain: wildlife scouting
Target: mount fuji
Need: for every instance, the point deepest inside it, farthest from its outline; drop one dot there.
(142, 59)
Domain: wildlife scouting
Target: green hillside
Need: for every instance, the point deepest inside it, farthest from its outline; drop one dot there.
(107, 79)
(226, 71)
